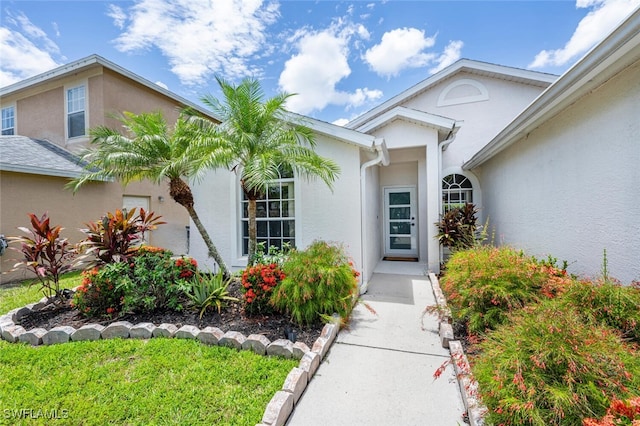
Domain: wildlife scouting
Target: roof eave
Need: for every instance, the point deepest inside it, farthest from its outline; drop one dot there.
(594, 68)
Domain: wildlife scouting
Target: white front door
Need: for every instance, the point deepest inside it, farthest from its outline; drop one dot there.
(400, 224)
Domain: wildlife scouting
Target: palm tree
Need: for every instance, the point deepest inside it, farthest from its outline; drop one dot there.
(152, 151)
(257, 139)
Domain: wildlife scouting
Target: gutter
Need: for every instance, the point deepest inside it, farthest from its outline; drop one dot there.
(443, 147)
(381, 159)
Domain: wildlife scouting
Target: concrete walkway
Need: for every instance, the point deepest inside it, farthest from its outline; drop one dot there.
(380, 370)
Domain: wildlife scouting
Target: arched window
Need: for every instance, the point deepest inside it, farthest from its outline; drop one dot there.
(457, 190)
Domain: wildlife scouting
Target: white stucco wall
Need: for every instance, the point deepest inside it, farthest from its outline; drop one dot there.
(320, 213)
(572, 188)
(482, 120)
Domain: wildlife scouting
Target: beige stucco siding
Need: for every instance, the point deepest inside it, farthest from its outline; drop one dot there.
(42, 116)
(571, 187)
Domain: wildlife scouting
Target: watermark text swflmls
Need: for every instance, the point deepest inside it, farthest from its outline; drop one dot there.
(30, 413)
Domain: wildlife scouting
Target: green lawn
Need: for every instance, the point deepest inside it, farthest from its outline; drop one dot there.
(18, 296)
(132, 382)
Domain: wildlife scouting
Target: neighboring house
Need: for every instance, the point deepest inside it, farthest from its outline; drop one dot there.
(45, 119)
(560, 179)
(563, 178)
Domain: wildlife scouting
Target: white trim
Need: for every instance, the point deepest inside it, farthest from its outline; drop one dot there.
(437, 122)
(70, 86)
(466, 65)
(482, 96)
(475, 183)
(15, 117)
(357, 138)
(41, 171)
(620, 49)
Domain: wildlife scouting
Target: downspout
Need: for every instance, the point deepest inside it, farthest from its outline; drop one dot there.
(443, 147)
(382, 158)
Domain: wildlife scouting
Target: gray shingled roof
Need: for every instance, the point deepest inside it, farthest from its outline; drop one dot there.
(22, 154)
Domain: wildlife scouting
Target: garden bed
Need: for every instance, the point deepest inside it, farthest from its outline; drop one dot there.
(232, 318)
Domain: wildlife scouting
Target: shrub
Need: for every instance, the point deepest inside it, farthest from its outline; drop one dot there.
(46, 254)
(319, 281)
(547, 367)
(209, 290)
(99, 294)
(258, 283)
(150, 280)
(117, 235)
(609, 303)
(484, 284)
(155, 281)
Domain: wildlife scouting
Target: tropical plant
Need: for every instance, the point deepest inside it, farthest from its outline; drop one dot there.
(457, 227)
(258, 140)
(258, 284)
(210, 290)
(319, 281)
(45, 253)
(117, 236)
(101, 294)
(151, 150)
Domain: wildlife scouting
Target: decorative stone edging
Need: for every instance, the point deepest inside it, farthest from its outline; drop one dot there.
(279, 408)
(467, 384)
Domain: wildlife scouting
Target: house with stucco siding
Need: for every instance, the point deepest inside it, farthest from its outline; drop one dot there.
(551, 162)
(45, 122)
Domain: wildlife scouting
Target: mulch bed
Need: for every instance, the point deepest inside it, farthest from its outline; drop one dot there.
(232, 318)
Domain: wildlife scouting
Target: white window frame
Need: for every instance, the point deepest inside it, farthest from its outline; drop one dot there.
(13, 120)
(84, 109)
(468, 192)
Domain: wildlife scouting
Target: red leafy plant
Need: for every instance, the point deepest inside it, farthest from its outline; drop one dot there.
(46, 253)
(258, 283)
(116, 237)
(98, 295)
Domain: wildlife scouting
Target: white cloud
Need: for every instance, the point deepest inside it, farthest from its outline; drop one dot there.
(161, 84)
(117, 14)
(400, 49)
(25, 49)
(451, 54)
(340, 121)
(604, 17)
(320, 63)
(200, 37)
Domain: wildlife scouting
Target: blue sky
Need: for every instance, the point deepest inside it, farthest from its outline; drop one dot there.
(340, 58)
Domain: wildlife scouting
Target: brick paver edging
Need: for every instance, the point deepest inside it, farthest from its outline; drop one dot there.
(279, 408)
(467, 384)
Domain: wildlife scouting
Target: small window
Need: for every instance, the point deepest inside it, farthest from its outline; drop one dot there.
(457, 191)
(75, 112)
(275, 215)
(8, 120)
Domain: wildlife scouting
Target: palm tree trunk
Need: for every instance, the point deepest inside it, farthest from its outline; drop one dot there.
(213, 251)
(253, 231)
(181, 193)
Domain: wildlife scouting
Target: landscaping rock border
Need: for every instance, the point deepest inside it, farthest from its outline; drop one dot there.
(467, 384)
(279, 408)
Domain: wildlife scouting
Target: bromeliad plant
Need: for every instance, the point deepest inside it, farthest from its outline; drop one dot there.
(117, 236)
(210, 290)
(46, 254)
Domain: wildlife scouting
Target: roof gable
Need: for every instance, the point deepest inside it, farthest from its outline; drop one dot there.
(461, 66)
(96, 61)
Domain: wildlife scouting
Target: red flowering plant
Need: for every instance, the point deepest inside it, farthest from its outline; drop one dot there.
(620, 412)
(99, 294)
(258, 283)
(187, 267)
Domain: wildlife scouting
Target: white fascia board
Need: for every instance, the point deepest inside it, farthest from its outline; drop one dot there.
(621, 47)
(343, 134)
(438, 122)
(461, 65)
(39, 171)
(98, 60)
